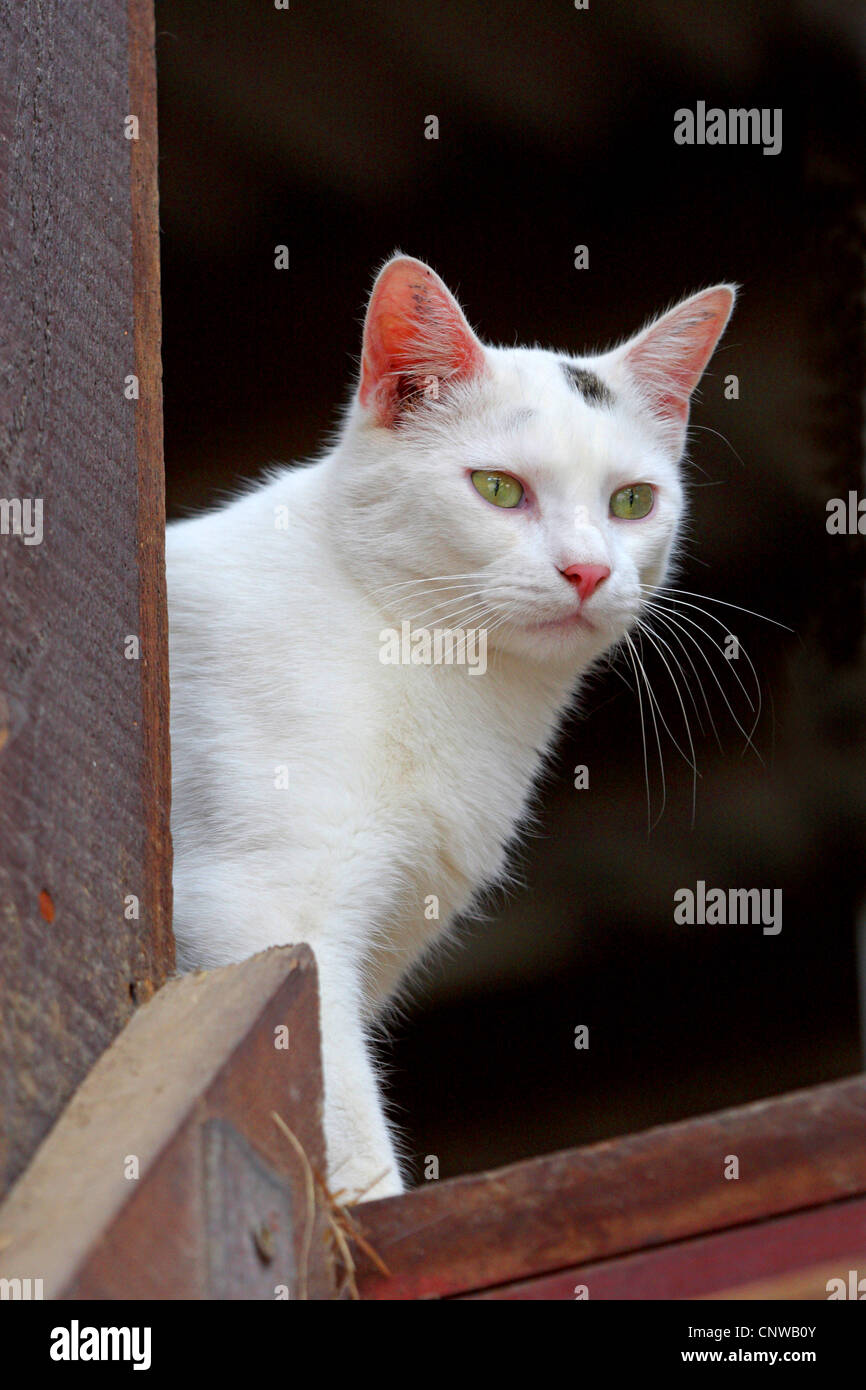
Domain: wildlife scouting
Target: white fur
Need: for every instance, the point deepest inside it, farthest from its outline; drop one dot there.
(403, 781)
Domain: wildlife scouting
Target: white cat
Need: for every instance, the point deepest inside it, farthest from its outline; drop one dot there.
(324, 792)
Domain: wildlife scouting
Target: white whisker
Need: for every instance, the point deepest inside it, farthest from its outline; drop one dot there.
(640, 667)
(654, 639)
(681, 618)
(657, 612)
(668, 589)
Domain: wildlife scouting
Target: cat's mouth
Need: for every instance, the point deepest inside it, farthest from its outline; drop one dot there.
(565, 624)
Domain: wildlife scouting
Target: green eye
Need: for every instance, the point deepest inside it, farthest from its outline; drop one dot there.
(632, 502)
(499, 488)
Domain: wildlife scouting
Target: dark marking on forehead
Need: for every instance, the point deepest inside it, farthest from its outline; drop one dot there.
(590, 386)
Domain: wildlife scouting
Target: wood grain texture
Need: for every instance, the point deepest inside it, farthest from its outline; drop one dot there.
(220, 1207)
(83, 731)
(791, 1257)
(152, 607)
(569, 1209)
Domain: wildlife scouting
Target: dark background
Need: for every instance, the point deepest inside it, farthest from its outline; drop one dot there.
(306, 128)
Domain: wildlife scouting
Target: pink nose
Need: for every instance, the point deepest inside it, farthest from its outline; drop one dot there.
(586, 578)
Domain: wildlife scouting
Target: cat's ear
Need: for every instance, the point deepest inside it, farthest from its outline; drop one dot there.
(416, 340)
(666, 360)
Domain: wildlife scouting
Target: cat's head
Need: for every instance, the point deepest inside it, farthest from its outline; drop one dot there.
(523, 491)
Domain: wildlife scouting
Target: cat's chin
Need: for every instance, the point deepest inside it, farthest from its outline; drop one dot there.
(573, 640)
(570, 623)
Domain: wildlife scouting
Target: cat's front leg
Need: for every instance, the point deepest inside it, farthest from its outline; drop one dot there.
(362, 1161)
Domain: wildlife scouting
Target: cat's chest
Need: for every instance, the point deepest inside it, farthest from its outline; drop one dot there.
(459, 760)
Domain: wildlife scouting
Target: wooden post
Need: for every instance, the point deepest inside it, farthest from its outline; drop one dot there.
(168, 1175)
(85, 864)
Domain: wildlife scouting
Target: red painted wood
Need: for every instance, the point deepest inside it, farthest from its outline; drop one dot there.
(569, 1209)
(834, 1236)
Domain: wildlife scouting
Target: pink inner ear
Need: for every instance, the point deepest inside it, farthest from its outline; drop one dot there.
(414, 330)
(669, 358)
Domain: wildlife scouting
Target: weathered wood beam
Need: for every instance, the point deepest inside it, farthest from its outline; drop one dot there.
(167, 1175)
(565, 1210)
(789, 1257)
(85, 863)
